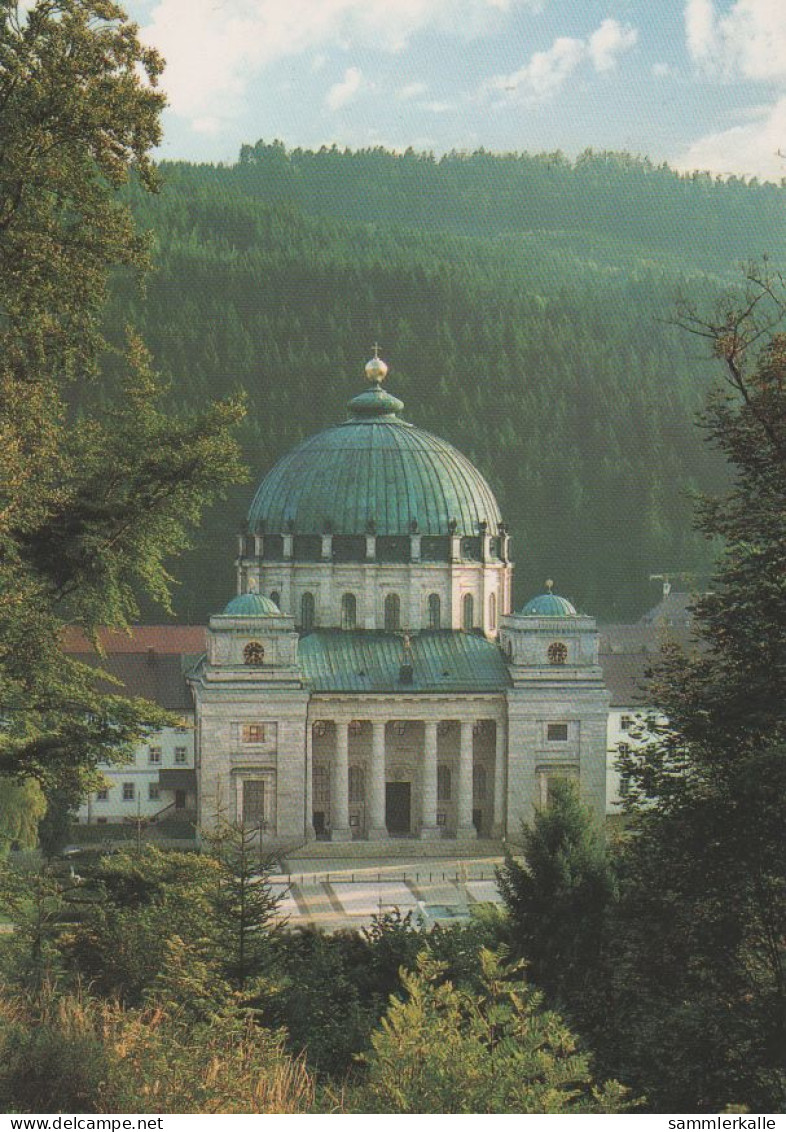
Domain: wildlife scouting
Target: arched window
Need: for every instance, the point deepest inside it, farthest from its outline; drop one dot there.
(479, 783)
(468, 612)
(557, 653)
(349, 611)
(434, 611)
(493, 611)
(275, 597)
(392, 613)
(443, 783)
(253, 653)
(307, 612)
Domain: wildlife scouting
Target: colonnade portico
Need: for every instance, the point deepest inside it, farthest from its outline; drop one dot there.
(405, 776)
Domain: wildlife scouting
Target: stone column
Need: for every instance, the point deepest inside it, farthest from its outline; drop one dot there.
(309, 784)
(499, 824)
(465, 830)
(339, 786)
(429, 830)
(377, 830)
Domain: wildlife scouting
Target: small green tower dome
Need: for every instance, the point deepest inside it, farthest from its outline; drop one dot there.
(374, 467)
(251, 605)
(548, 605)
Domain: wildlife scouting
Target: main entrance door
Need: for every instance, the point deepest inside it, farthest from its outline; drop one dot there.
(397, 806)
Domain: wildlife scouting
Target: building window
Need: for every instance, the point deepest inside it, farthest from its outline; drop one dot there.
(443, 783)
(468, 612)
(154, 755)
(253, 801)
(355, 727)
(549, 776)
(557, 653)
(626, 722)
(478, 783)
(253, 653)
(128, 792)
(357, 788)
(349, 611)
(102, 821)
(321, 783)
(153, 791)
(434, 611)
(275, 597)
(557, 732)
(493, 611)
(307, 612)
(392, 613)
(103, 794)
(253, 732)
(181, 755)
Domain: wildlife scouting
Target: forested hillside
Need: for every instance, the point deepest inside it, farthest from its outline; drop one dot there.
(523, 304)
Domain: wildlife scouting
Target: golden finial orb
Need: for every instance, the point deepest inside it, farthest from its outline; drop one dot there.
(376, 369)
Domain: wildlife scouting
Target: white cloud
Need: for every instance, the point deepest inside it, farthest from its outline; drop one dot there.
(750, 149)
(438, 107)
(741, 39)
(661, 70)
(343, 92)
(212, 49)
(546, 72)
(208, 125)
(411, 90)
(609, 41)
(700, 28)
(748, 39)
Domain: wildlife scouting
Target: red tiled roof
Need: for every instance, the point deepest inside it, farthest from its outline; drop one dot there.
(164, 639)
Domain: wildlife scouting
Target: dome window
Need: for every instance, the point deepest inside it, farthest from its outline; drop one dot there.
(468, 613)
(275, 597)
(349, 611)
(392, 613)
(254, 654)
(557, 653)
(307, 612)
(434, 611)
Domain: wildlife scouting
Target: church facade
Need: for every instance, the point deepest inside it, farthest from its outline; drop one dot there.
(370, 679)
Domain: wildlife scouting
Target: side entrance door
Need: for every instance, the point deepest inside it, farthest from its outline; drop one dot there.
(397, 806)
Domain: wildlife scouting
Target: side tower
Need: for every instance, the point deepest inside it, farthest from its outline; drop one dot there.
(557, 706)
(251, 712)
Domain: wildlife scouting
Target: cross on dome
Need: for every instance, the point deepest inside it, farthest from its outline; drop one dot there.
(376, 369)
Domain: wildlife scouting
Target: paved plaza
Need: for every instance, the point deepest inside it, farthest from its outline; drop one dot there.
(346, 894)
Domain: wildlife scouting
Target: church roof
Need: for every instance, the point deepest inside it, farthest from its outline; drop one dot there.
(333, 660)
(374, 471)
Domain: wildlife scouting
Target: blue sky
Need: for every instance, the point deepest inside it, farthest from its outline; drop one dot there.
(697, 83)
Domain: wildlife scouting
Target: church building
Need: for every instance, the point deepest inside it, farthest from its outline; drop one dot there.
(370, 679)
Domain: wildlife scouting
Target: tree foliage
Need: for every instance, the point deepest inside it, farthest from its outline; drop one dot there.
(557, 897)
(99, 481)
(450, 1051)
(702, 919)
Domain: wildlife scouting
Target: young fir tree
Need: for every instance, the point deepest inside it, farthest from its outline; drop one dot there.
(243, 908)
(699, 991)
(557, 898)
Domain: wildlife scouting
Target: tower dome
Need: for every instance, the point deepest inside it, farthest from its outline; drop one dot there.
(374, 471)
(251, 605)
(548, 605)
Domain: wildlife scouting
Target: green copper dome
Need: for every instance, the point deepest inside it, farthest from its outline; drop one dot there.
(548, 605)
(251, 605)
(374, 472)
